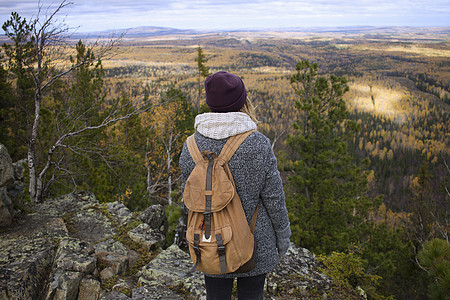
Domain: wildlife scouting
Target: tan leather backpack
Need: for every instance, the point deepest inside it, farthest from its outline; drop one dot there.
(219, 236)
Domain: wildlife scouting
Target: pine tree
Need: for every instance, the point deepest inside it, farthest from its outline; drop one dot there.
(41, 44)
(202, 72)
(326, 196)
(435, 259)
(17, 103)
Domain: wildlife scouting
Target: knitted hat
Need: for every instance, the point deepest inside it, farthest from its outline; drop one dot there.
(225, 92)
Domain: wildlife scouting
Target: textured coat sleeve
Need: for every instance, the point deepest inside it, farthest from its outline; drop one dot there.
(183, 162)
(273, 199)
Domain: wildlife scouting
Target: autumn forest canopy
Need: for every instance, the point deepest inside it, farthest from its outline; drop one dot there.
(358, 120)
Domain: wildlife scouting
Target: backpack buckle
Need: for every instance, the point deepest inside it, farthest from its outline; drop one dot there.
(221, 250)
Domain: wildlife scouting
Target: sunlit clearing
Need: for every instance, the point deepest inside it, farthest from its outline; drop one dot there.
(377, 100)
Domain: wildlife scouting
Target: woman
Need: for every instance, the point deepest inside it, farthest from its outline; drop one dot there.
(254, 170)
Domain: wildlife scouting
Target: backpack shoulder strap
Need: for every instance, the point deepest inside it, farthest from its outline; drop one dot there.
(233, 144)
(193, 149)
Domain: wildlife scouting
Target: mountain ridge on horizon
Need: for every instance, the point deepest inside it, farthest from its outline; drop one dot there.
(142, 31)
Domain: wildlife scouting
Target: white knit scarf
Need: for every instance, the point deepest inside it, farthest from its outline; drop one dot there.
(223, 125)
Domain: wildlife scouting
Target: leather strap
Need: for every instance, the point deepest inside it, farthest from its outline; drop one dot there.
(221, 252)
(193, 149)
(208, 197)
(254, 217)
(197, 252)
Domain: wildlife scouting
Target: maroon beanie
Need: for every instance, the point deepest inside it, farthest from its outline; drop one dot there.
(225, 92)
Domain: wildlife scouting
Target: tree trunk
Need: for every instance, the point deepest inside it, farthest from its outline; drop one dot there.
(199, 92)
(169, 163)
(32, 149)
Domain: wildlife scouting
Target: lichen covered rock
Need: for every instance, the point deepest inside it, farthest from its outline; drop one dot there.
(89, 289)
(75, 255)
(298, 275)
(148, 237)
(6, 168)
(155, 217)
(170, 268)
(121, 214)
(26, 256)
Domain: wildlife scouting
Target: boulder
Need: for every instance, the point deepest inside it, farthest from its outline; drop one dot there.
(16, 194)
(149, 238)
(75, 255)
(84, 215)
(155, 217)
(74, 260)
(68, 204)
(155, 290)
(26, 255)
(307, 278)
(118, 263)
(5, 208)
(89, 289)
(114, 295)
(65, 286)
(6, 168)
(114, 255)
(120, 213)
(110, 246)
(91, 225)
(170, 269)
(19, 169)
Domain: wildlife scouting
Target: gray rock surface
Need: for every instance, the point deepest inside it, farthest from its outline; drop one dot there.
(155, 290)
(64, 286)
(110, 246)
(148, 237)
(170, 268)
(307, 278)
(19, 169)
(89, 289)
(155, 217)
(26, 256)
(11, 189)
(5, 208)
(75, 255)
(6, 168)
(121, 214)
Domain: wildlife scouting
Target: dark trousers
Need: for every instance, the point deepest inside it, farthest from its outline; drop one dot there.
(248, 288)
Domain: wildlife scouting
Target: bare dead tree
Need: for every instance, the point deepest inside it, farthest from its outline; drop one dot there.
(50, 40)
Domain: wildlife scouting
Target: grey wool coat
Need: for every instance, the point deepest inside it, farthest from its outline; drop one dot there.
(257, 179)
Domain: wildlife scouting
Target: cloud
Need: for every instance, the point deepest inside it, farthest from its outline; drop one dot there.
(232, 14)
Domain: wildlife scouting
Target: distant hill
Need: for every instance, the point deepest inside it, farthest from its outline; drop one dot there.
(142, 31)
(155, 32)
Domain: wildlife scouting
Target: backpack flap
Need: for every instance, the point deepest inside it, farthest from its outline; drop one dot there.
(195, 191)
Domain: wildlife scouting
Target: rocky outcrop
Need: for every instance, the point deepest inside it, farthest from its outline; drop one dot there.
(27, 252)
(148, 237)
(74, 260)
(155, 217)
(298, 276)
(73, 247)
(121, 214)
(171, 269)
(6, 168)
(11, 187)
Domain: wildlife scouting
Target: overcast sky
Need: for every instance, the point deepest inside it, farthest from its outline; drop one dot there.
(237, 14)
